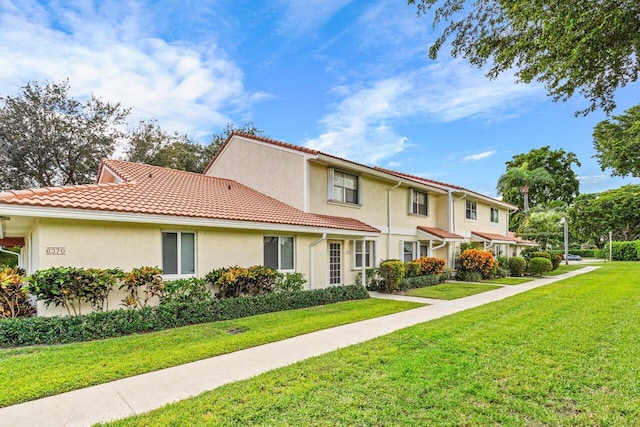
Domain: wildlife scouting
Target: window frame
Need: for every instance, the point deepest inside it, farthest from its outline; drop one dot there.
(331, 196)
(293, 252)
(497, 212)
(413, 250)
(473, 210)
(179, 273)
(367, 244)
(413, 204)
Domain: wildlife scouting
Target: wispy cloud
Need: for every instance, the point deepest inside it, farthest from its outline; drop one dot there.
(593, 179)
(478, 156)
(112, 52)
(304, 17)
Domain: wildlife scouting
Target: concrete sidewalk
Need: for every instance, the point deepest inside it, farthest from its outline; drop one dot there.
(142, 393)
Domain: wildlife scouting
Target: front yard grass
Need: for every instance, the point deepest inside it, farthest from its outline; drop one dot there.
(564, 354)
(563, 268)
(33, 372)
(510, 280)
(451, 290)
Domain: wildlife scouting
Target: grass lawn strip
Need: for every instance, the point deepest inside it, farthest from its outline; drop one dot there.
(33, 372)
(563, 268)
(509, 280)
(563, 354)
(451, 290)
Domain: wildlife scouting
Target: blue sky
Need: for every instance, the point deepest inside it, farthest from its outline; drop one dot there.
(350, 78)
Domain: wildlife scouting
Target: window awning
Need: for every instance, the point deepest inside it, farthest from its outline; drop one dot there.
(492, 238)
(435, 233)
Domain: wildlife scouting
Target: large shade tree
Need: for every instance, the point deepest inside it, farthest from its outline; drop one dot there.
(48, 138)
(564, 186)
(617, 143)
(593, 216)
(523, 179)
(587, 46)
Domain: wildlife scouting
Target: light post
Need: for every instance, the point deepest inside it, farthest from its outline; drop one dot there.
(564, 221)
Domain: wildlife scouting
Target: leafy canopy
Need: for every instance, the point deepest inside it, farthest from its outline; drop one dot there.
(594, 215)
(49, 138)
(564, 185)
(589, 46)
(149, 144)
(522, 179)
(617, 143)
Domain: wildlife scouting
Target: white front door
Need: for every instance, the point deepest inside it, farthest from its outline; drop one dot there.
(335, 263)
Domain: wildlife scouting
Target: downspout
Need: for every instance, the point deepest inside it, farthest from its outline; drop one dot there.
(324, 237)
(4, 251)
(450, 200)
(389, 218)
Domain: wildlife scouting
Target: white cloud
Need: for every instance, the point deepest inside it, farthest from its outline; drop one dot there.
(478, 156)
(304, 17)
(444, 92)
(111, 52)
(593, 179)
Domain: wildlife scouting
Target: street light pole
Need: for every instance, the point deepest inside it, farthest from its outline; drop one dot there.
(565, 222)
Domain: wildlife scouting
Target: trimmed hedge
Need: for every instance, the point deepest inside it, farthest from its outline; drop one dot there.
(98, 325)
(419, 282)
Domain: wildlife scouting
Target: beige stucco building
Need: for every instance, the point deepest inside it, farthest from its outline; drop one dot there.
(259, 201)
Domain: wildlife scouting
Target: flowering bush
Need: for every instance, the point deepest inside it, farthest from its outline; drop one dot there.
(240, 281)
(479, 261)
(148, 279)
(14, 297)
(431, 265)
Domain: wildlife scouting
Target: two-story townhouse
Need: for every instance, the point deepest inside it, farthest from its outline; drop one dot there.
(260, 201)
(416, 216)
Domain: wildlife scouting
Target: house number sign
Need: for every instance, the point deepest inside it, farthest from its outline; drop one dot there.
(55, 251)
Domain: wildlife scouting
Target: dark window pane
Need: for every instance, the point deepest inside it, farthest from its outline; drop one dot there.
(187, 253)
(170, 253)
(271, 252)
(286, 253)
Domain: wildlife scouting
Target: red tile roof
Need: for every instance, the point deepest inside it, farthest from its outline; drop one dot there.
(415, 178)
(522, 241)
(161, 191)
(494, 236)
(439, 232)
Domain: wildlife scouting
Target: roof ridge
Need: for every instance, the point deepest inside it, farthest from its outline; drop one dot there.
(172, 170)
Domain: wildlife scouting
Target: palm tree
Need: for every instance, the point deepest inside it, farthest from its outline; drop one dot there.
(522, 178)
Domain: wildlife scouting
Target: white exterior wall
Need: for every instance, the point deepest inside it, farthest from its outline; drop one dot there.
(276, 172)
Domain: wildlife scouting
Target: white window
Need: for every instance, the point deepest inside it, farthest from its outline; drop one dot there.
(364, 250)
(471, 211)
(408, 251)
(278, 252)
(178, 252)
(424, 250)
(495, 215)
(419, 203)
(344, 187)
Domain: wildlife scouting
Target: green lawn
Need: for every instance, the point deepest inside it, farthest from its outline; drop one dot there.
(565, 269)
(510, 280)
(33, 372)
(564, 354)
(451, 290)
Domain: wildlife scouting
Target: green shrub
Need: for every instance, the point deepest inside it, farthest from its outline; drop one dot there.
(145, 279)
(479, 261)
(192, 290)
(555, 261)
(14, 296)
(106, 324)
(623, 251)
(527, 253)
(431, 265)
(373, 279)
(468, 276)
(392, 273)
(412, 269)
(291, 282)
(539, 266)
(237, 281)
(517, 265)
(541, 254)
(419, 282)
(445, 275)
